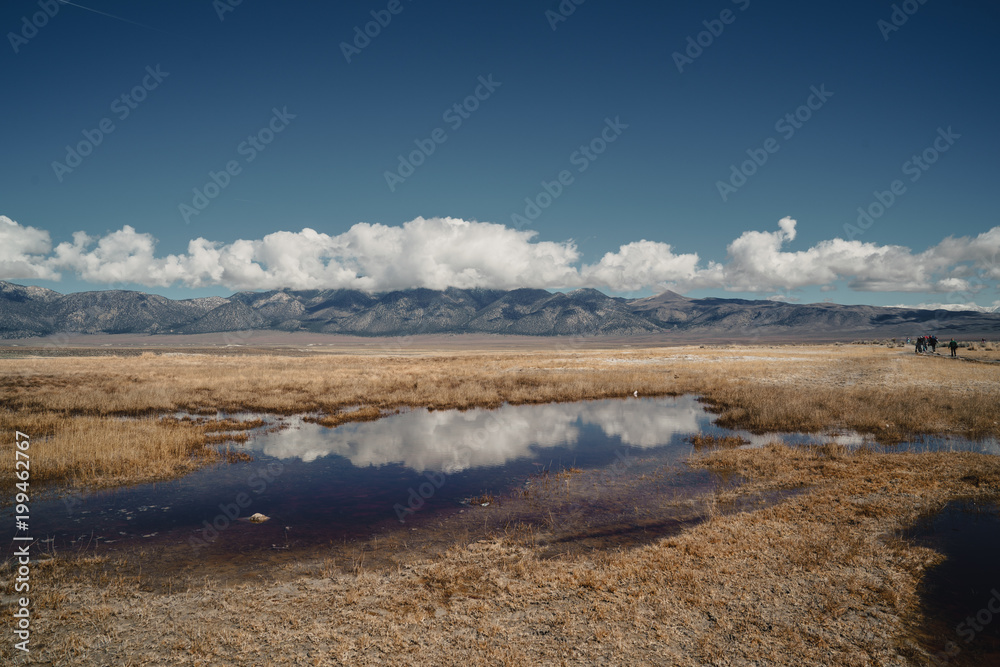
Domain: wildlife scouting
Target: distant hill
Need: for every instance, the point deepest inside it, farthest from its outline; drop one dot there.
(35, 311)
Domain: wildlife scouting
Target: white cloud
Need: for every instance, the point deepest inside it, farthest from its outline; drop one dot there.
(757, 263)
(22, 251)
(448, 252)
(641, 264)
(122, 256)
(435, 253)
(451, 441)
(995, 308)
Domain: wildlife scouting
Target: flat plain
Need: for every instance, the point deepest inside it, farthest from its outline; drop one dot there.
(818, 576)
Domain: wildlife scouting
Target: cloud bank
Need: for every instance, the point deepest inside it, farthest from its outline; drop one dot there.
(448, 252)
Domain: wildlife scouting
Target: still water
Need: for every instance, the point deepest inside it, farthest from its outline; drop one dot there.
(961, 595)
(321, 484)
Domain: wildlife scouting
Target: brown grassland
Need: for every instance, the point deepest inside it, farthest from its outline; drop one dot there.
(76, 403)
(816, 577)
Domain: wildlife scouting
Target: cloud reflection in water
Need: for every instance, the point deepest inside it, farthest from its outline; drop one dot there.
(451, 441)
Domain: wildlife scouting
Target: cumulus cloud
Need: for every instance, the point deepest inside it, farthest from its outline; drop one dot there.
(22, 251)
(435, 253)
(757, 263)
(448, 252)
(641, 264)
(120, 256)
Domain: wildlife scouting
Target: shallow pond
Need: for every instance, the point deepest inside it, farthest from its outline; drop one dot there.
(961, 596)
(322, 485)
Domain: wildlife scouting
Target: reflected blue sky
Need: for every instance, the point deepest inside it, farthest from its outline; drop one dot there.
(342, 482)
(452, 441)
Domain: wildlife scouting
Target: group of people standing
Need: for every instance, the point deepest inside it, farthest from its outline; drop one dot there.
(924, 342)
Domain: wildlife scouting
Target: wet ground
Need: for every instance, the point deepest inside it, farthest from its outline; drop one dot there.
(573, 477)
(961, 596)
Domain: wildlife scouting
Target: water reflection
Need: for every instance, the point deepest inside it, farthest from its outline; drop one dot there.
(452, 441)
(337, 483)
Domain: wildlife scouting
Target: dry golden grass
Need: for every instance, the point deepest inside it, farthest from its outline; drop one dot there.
(367, 413)
(817, 579)
(229, 424)
(77, 402)
(814, 580)
(482, 499)
(701, 441)
(88, 451)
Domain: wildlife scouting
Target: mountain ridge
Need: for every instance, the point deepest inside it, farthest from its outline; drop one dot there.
(27, 311)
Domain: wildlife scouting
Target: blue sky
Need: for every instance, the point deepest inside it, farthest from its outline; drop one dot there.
(644, 125)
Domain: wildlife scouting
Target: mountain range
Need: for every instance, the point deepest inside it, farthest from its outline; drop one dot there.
(27, 311)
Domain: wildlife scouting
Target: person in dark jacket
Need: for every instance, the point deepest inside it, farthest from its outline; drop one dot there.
(933, 341)
(953, 346)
